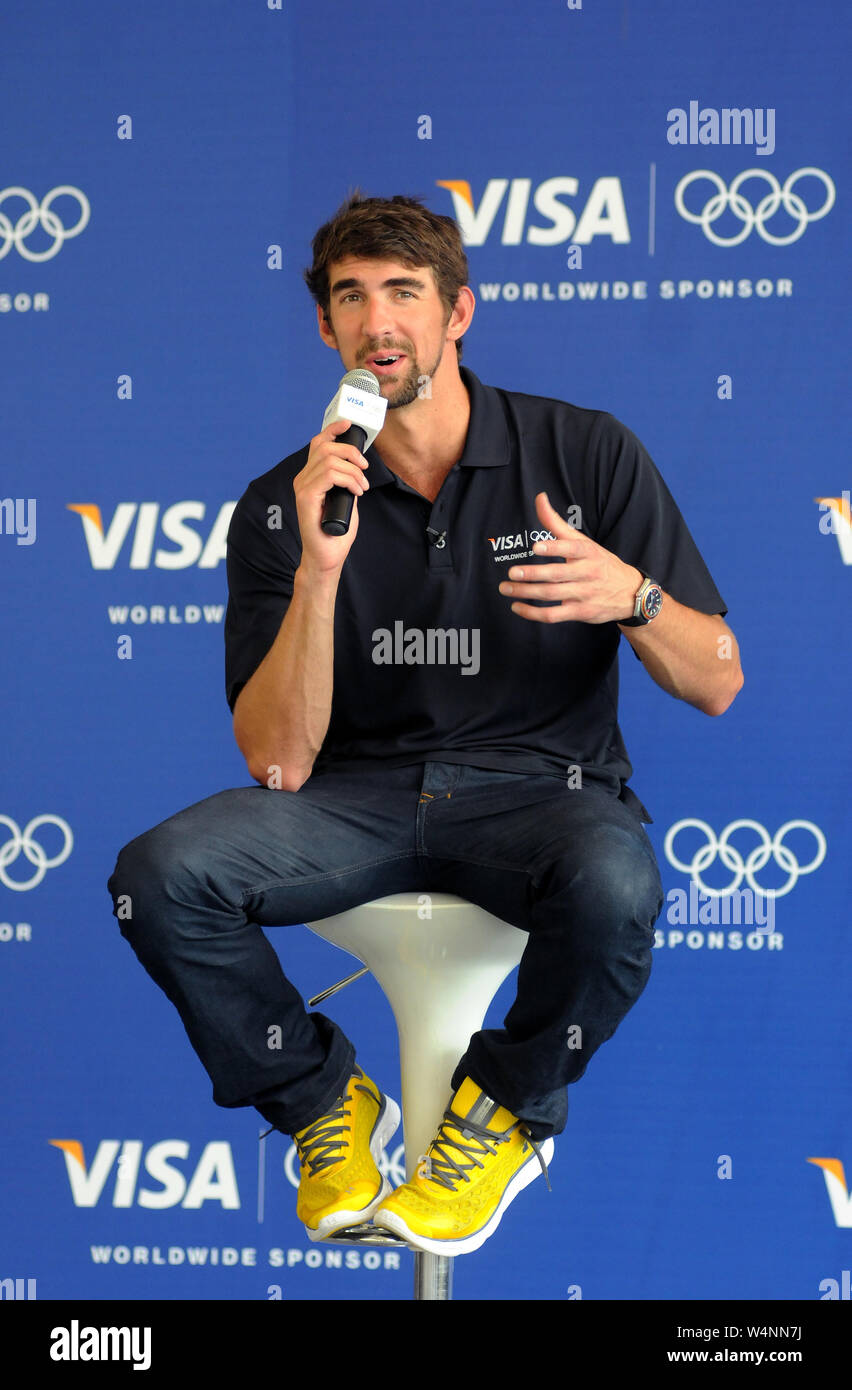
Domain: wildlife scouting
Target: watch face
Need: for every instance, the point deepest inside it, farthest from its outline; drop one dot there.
(652, 601)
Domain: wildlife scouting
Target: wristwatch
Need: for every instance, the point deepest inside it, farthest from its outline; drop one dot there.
(647, 603)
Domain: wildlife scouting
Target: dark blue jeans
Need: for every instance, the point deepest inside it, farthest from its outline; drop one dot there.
(573, 867)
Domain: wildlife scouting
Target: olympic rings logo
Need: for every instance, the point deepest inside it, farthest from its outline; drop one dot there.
(541, 536)
(40, 213)
(754, 217)
(732, 859)
(32, 849)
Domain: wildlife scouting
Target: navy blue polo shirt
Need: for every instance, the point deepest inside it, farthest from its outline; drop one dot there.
(430, 663)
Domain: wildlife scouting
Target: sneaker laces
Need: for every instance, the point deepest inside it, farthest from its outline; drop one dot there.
(319, 1145)
(444, 1169)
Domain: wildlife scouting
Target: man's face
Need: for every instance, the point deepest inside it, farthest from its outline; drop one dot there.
(380, 309)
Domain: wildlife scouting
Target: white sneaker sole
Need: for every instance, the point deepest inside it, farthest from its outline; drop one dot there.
(391, 1221)
(387, 1123)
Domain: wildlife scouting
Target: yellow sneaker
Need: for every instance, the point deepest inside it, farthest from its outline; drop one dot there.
(481, 1158)
(340, 1183)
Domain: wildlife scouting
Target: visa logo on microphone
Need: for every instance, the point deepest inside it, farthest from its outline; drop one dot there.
(603, 213)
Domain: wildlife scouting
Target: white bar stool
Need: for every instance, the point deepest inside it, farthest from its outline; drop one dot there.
(440, 960)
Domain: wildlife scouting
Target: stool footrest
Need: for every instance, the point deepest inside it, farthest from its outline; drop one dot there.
(366, 1235)
(341, 984)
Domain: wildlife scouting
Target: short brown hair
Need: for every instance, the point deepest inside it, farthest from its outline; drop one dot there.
(399, 229)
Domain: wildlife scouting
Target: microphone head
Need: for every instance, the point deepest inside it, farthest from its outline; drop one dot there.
(358, 398)
(362, 380)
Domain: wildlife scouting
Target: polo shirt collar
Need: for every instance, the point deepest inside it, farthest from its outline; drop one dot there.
(487, 442)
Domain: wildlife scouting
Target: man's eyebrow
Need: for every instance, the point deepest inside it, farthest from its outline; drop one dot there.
(397, 281)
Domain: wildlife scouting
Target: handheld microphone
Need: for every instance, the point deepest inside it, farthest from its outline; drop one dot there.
(358, 399)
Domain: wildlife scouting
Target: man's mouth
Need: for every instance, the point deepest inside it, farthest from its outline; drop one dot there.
(385, 362)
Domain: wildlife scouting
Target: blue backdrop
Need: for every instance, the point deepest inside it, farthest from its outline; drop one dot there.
(654, 202)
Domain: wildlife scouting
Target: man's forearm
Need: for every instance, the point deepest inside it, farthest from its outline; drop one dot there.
(694, 656)
(282, 713)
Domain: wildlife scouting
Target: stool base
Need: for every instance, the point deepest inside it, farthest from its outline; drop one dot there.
(433, 1276)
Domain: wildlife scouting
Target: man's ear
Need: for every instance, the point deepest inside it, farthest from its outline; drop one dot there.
(326, 331)
(462, 313)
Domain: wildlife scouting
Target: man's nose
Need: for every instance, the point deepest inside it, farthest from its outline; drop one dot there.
(377, 319)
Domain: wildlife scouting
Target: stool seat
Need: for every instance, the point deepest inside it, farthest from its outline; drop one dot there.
(440, 960)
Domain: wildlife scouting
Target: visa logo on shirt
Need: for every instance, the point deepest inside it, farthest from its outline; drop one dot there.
(519, 542)
(508, 542)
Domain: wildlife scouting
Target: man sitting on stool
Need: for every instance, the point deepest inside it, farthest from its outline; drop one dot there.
(429, 703)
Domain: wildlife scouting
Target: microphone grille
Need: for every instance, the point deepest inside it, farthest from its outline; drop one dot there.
(362, 380)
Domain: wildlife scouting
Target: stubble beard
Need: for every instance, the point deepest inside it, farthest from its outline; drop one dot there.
(413, 382)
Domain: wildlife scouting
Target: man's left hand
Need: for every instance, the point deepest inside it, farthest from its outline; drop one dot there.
(591, 584)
